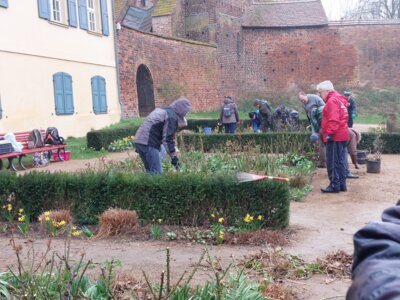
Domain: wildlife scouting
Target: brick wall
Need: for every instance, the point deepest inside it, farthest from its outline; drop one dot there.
(162, 25)
(186, 65)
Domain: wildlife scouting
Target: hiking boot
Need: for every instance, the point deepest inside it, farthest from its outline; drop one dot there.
(330, 189)
(352, 176)
(343, 189)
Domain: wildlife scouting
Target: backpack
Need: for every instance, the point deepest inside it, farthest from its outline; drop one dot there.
(35, 139)
(40, 159)
(52, 137)
(227, 111)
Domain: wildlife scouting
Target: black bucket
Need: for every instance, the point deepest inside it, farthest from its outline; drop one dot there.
(362, 157)
(373, 166)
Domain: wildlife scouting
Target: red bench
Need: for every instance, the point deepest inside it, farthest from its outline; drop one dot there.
(22, 137)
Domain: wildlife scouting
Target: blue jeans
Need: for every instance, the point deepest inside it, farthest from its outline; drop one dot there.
(256, 126)
(230, 128)
(151, 158)
(336, 164)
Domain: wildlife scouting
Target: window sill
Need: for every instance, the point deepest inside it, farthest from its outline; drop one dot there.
(94, 33)
(59, 24)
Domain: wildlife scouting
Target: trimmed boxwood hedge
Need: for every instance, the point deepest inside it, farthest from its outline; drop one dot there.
(177, 199)
(391, 142)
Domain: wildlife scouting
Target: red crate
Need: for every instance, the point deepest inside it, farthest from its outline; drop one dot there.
(64, 155)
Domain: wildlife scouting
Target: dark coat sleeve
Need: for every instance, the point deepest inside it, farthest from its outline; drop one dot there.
(376, 267)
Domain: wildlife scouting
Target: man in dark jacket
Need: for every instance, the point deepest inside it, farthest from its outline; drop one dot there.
(265, 113)
(229, 116)
(159, 128)
(376, 265)
(351, 107)
(335, 134)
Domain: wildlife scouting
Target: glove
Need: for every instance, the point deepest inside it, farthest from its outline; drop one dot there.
(353, 116)
(314, 137)
(175, 163)
(329, 138)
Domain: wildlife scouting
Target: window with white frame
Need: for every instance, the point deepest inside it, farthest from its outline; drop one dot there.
(91, 9)
(56, 10)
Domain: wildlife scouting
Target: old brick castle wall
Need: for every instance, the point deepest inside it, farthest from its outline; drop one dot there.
(175, 66)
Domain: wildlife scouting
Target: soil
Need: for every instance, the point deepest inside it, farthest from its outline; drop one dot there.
(320, 225)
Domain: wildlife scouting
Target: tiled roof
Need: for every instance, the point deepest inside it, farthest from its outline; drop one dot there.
(295, 13)
(118, 7)
(164, 8)
(138, 18)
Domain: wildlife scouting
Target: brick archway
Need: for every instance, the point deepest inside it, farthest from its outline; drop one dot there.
(145, 90)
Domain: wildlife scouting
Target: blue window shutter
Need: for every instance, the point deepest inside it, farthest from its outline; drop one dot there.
(4, 3)
(58, 79)
(72, 19)
(83, 18)
(1, 110)
(95, 94)
(103, 95)
(104, 17)
(44, 9)
(68, 96)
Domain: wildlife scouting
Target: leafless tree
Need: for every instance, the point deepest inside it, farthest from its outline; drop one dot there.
(374, 10)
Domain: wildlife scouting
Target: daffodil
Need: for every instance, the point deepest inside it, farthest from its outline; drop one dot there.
(61, 223)
(21, 210)
(260, 218)
(213, 215)
(46, 219)
(76, 233)
(40, 219)
(220, 220)
(9, 207)
(47, 213)
(21, 218)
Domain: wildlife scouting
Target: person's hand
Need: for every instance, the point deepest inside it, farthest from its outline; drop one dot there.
(175, 163)
(329, 138)
(314, 137)
(353, 116)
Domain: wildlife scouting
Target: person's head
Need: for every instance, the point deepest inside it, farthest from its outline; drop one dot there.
(302, 97)
(257, 103)
(228, 99)
(347, 93)
(324, 88)
(181, 107)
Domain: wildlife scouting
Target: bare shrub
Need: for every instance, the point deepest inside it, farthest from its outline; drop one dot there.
(116, 221)
(299, 180)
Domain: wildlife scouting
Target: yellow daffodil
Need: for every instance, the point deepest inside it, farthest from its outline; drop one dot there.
(46, 219)
(260, 218)
(159, 221)
(21, 210)
(212, 215)
(220, 220)
(47, 213)
(76, 233)
(73, 227)
(21, 218)
(40, 219)
(61, 223)
(9, 207)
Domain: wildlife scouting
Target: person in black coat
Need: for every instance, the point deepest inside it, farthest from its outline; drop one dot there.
(376, 266)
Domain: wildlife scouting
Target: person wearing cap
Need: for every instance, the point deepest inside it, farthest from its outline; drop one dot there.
(313, 105)
(229, 115)
(335, 133)
(351, 107)
(159, 128)
(265, 110)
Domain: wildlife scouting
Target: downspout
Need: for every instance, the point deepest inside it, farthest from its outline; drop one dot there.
(116, 58)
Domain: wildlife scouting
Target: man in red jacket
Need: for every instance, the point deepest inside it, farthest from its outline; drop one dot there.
(335, 133)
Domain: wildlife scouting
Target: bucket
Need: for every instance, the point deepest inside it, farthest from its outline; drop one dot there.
(373, 166)
(64, 155)
(207, 130)
(362, 157)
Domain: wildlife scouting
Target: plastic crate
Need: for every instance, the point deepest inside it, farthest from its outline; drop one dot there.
(64, 155)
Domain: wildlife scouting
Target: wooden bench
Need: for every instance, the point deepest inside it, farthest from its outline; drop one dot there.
(22, 137)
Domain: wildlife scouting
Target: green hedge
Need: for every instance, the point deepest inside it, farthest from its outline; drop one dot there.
(391, 142)
(273, 142)
(177, 199)
(102, 138)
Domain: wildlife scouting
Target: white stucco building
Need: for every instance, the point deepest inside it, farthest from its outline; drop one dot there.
(57, 66)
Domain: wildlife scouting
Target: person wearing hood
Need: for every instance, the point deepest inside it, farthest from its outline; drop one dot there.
(265, 113)
(335, 133)
(158, 129)
(229, 116)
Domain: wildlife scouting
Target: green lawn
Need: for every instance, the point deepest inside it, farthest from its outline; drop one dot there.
(370, 119)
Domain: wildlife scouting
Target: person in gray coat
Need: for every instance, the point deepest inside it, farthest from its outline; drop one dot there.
(159, 128)
(229, 116)
(376, 258)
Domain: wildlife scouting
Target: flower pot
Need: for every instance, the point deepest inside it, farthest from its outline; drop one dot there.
(373, 166)
(362, 157)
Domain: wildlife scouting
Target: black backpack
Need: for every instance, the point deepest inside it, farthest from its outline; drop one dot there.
(35, 139)
(52, 137)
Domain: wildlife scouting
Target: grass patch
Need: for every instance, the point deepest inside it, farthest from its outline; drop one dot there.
(79, 149)
(374, 119)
